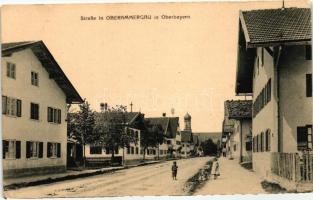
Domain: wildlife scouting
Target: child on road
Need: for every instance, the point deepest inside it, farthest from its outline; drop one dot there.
(174, 170)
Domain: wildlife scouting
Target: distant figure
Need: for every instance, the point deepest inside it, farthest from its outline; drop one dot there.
(174, 170)
(224, 152)
(215, 169)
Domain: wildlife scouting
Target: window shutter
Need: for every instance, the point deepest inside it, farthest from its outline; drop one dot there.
(59, 116)
(18, 108)
(5, 147)
(8, 69)
(17, 149)
(309, 85)
(28, 144)
(40, 150)
(4, 104)
(308, 52)
(49, 149)
(58, 150)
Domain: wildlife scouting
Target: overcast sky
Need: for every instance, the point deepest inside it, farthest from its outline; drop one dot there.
(188, 65)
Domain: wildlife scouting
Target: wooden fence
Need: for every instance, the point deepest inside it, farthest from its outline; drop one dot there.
(292, 166)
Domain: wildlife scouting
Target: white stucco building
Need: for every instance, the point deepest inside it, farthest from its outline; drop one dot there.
(35, 94)
(275, 67)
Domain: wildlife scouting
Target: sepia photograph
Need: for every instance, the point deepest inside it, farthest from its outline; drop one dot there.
(156, 99)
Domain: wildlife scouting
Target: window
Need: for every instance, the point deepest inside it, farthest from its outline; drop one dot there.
(34, 111)
(53, 150)
(136, 134)
(137, 150)
(262, 142)
(107, 150)
(115, 150)
(11, 106)
(304, 137)
(308, 52)
(262, 99)
(95, 150)
(309, 85)
(128, 150)
(11, 70)
(34, 149)
(268, 140)
(235, 147)
(132, 151)
(168, 142)
(257, 143)
(11, 149)
(248, 146)
(54, 115)
(34, 78)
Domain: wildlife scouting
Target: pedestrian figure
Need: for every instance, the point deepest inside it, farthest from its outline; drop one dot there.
(215, 169)
(174, 170)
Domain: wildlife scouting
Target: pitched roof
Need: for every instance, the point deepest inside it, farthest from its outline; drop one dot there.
(169, 124)
(130, 117)
(49, 63)
(186, 136)
(276, 25)
(238, 109)
(267, 28)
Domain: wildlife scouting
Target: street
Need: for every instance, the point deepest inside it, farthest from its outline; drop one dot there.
(145, 180)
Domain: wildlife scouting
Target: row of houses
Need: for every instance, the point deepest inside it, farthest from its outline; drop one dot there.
(273, 130)
(36, 94)
(177, 143)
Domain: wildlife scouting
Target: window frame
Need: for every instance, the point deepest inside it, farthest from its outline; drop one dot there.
(33, 114)
(308, 85)
(34, 78)
(36, 151)
(11, 72)
(54, 116)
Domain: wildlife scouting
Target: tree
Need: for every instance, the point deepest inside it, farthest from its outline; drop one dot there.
(151, 135)
(209, 147)
(80, 126)
(111, 129)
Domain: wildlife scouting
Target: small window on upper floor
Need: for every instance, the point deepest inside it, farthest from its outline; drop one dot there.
(34, 78)
(308, 52)
(11, 70)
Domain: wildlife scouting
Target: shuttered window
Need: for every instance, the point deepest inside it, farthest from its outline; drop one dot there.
(34, 78)
(53, 150)
(11, 149)
(309, 85)
(11, 106)
(34, 149)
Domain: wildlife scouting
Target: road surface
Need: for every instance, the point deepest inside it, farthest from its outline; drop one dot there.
(145, 180)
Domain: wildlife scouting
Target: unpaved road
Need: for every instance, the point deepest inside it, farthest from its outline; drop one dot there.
(146, 180)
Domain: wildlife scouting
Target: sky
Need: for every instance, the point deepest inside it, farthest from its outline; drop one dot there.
(188, 65)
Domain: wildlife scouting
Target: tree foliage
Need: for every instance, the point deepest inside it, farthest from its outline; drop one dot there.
(151, 135)
(209, 147)
(111, 129)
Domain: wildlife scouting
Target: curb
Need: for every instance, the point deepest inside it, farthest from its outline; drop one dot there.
(49, 180)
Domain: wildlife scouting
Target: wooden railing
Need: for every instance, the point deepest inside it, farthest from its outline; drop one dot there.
(292, 166)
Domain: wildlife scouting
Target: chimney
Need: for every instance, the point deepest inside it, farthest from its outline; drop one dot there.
(164, 114)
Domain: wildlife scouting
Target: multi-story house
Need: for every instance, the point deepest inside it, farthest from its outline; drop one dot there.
(275, 67)
(99, 153)
(240, 139)
(35, 94)
(170, 126)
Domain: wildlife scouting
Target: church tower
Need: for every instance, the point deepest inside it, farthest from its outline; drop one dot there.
(187, 120)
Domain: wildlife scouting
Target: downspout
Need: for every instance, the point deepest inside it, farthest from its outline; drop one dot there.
(279, 134)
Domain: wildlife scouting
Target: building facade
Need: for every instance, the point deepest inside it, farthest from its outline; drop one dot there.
(276, 69)
(35, 94)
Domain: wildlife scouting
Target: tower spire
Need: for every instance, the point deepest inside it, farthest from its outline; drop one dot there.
(131, 106)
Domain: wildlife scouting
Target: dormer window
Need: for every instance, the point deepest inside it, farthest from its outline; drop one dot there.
(11, 70)
(34, 78)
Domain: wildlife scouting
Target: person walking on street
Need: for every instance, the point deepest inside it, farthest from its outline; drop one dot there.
(174, 170)
(215, 171)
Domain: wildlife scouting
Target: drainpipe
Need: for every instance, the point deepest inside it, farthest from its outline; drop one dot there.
(279, 134)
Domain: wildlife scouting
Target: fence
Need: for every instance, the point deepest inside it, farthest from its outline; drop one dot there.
(292, 166)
